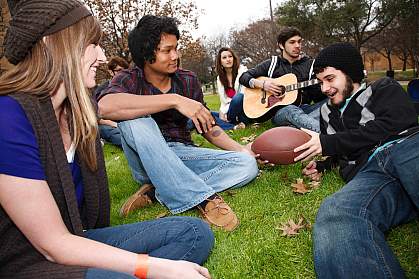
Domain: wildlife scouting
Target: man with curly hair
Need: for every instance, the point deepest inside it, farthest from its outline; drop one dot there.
(153, 102)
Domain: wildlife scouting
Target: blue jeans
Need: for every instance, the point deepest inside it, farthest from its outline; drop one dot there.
(304, 116)
(349, 233)
(110, 134)
(183, 175)
(235, 113)
(223, 124)
(175, 238)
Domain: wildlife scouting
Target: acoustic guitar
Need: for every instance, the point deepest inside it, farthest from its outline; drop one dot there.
(258, 102)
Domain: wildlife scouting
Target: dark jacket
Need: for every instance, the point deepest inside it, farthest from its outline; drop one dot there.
(373, 116)
(300, 68)
(18, 258)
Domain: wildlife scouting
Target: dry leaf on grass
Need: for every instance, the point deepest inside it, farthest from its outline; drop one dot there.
(161, 215)
(314, 184)
(291, 228)
(248, 139)
(230, 193)
(300, 187)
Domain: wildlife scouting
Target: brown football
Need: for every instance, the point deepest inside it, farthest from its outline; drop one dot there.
(277, 144)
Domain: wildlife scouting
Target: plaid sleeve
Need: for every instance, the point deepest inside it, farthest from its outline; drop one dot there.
(196, 90)
(124, 82)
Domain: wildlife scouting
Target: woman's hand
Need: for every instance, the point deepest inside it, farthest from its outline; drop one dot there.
(169, 269)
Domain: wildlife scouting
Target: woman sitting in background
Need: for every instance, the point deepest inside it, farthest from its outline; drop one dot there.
(54, 198)
(229, 70)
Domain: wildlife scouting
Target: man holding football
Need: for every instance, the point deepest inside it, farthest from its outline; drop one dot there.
(371, 133)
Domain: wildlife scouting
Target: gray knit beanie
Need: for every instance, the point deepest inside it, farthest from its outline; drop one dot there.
(33, 19)
(344, 57)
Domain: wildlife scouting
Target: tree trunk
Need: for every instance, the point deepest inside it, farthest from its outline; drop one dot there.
(213, 86)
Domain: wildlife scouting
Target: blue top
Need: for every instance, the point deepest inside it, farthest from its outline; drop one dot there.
(19, 148)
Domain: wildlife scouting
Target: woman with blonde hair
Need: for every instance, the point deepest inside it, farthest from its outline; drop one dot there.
(54, 198)
(229, 71)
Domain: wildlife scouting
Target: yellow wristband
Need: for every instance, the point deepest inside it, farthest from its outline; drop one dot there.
(142, 266)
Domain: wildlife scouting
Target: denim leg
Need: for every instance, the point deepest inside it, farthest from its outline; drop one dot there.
(297, 117)
(219, 169)
(235, 112)
(223, 124)
(152, 161)
(110, 134)
(176, 238)
(405, 165)
(349, 240)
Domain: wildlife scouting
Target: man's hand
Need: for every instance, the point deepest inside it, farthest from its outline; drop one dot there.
(248, 149)
(269, 86)
(311, 148)
(196, 111)
(311, 171)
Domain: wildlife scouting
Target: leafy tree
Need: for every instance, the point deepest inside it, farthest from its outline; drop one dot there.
(195, 58)
(326, 21)
(118, 17)
(255, 43)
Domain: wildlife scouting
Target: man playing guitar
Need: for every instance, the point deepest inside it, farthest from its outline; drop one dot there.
(302, 113)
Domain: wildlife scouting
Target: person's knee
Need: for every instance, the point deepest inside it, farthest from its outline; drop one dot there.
(282, 116)
(199, 234)
(327, 220)
(248, 166)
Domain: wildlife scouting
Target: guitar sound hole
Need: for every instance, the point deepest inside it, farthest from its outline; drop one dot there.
(282, 90)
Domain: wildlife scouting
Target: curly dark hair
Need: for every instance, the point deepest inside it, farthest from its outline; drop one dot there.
(145, 37)
(116, 61)
(286, 33)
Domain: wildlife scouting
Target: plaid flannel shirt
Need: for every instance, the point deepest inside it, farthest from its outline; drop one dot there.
(171, 122)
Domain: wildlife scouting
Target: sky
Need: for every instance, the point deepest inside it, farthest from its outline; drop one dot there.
(219, 16)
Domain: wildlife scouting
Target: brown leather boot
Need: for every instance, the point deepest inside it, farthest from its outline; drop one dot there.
(218, 213)
(138, 200)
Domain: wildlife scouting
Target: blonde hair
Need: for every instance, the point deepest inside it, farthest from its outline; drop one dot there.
(56, 60)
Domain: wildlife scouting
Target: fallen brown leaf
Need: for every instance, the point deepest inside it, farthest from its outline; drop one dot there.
(161, 215)
(230, 193)
(248, 139)
(314, 184)
(290, 228)
(300, 187)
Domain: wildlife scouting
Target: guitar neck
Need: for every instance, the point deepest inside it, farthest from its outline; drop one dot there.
(298, 85)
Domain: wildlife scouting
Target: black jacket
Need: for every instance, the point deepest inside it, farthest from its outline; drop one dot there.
(373, 116)
(300, 68)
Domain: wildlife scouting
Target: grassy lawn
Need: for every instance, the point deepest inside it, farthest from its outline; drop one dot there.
(256, 249)
(398, 75)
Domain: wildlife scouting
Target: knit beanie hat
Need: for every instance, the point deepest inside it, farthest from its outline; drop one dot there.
(344, 57)
(33, 19)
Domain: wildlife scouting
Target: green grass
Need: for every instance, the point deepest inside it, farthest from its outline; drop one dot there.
(398, 75)
(256, 249)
